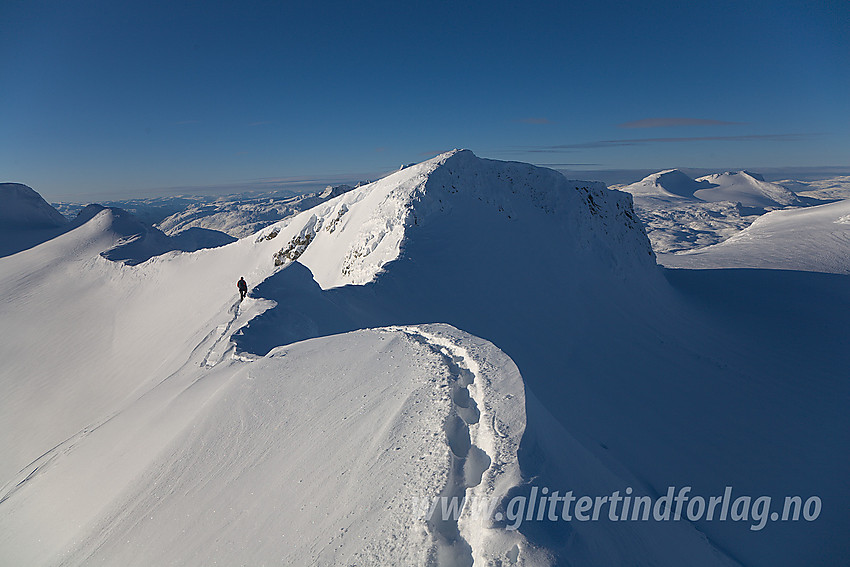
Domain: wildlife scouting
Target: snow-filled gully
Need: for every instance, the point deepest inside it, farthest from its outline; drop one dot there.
(467, 461)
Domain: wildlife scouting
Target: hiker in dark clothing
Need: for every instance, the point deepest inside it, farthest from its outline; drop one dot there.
(243, 288)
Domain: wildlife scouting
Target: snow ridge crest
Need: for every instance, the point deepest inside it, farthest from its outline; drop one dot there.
(349, 239)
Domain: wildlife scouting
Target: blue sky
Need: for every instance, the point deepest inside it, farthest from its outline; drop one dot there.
(123, 97)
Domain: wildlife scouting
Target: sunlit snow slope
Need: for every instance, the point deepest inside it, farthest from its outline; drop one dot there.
(660, 378)
(815, 239)
(667, 184)
(149, 417)
(749, 189)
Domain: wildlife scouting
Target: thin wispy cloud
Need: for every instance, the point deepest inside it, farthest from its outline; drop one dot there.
(533, 120)
(679, 140)
(186, 122)
(568, 164)
(669, 122)
(260, 123)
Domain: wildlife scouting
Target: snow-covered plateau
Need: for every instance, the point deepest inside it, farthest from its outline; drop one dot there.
(460, 329)
(683, 214)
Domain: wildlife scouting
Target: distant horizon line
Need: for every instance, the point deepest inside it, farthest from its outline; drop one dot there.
(305, 184)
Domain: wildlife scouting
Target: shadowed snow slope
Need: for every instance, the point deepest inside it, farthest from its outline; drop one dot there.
(150, 417)
(23, 207)
(25, 219)
(815, 239)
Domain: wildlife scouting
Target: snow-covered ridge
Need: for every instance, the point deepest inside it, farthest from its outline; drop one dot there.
(243, 216)
(349, 239)
(142, 421)
(136, 242)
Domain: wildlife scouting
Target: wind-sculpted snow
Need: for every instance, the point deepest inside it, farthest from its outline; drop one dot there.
(344, 437)
(151, 417)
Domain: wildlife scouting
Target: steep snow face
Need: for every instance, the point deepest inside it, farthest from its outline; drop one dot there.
(350, 239)
(669, 184)
(749, 189)
(24, 208)
(657, 385)
(815, 239)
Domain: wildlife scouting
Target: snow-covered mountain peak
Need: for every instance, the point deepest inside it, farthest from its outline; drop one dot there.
(139, 406)
(669, 183)
(125, 238)
(756, 176)
(332, 191)
(115, 219)
(749, 189)
(349, 239)
(23, 208)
